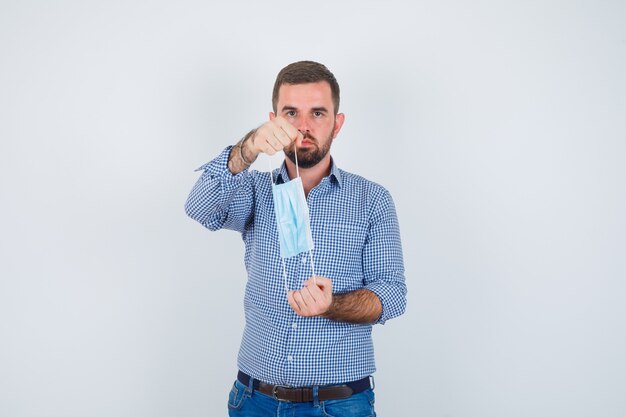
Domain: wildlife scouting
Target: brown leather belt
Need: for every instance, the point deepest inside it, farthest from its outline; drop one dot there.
(305, 394)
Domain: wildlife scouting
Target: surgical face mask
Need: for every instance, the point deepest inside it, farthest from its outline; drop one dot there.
(292, 218)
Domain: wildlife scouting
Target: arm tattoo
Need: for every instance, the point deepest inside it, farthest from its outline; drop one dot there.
(237, 159)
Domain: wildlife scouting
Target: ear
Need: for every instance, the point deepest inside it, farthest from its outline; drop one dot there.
(339, 119)
(272, 115)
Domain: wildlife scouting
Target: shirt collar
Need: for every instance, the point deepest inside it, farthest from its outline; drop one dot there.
(334, 176)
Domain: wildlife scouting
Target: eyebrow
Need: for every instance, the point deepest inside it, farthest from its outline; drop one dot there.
(320, 109)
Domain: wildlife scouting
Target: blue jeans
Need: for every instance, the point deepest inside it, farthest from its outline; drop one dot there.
(244, 401)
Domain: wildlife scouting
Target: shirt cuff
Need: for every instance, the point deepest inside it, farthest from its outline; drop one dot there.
(218, 168)
(392, 297)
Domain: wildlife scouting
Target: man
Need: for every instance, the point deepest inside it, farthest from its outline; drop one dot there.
(306, 349)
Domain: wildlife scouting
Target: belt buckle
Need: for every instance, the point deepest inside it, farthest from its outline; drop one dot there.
(275, 391)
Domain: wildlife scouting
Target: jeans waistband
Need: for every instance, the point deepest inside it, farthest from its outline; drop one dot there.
(304, 394)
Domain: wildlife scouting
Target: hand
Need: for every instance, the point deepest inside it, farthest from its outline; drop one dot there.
(314, 299)
(273, 136)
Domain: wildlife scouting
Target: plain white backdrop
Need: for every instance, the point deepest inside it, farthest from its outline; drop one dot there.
(498, 126)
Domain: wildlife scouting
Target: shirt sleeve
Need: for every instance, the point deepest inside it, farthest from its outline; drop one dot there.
(383, 263)
(220, 199)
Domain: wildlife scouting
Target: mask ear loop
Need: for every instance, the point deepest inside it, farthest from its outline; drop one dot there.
(295, 153)
(313, 268)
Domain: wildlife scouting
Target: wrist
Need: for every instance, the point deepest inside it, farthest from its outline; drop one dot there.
(247, 154)
(329, 313)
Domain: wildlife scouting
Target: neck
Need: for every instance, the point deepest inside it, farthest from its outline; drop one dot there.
(310, 176)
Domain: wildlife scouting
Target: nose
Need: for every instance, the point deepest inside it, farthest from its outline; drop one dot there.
(302, 124)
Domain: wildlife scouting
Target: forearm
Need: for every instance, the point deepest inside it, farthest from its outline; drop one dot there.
(242, 154)
(358, 307)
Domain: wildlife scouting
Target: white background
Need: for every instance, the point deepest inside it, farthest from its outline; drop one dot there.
(498, 126)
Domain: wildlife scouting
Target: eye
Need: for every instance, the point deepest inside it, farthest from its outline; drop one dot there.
(291, 113)
(317, 113)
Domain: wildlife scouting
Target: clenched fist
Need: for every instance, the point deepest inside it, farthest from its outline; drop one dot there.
(273, 136)
(314, 299)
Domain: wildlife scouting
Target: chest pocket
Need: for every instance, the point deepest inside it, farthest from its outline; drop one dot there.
(339, 252)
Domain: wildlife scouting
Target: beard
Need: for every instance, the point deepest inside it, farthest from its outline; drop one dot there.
(310, 157)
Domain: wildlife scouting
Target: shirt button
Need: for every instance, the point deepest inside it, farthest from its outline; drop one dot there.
(303, 259)
(289, 358)
(294, 325)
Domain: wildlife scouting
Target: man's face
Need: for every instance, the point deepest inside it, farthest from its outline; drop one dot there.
(309, 108)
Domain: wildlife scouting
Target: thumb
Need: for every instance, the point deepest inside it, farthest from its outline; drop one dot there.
(299, 139)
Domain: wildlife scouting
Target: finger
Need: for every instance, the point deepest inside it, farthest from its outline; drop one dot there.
(268, 149)
(308, 297)
(267, 141)
(292, 302)
(288, 128)
(264, 139)
(326, 284)
(299, 298)
(321, 282)
(314, 291)
(282, 138)
(317, 302)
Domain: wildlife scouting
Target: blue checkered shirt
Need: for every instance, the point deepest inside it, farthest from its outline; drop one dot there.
(357, 245)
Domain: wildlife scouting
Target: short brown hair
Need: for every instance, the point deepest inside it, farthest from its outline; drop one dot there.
(304, 72)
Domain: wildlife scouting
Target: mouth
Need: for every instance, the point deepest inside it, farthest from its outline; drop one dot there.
(307, 141)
